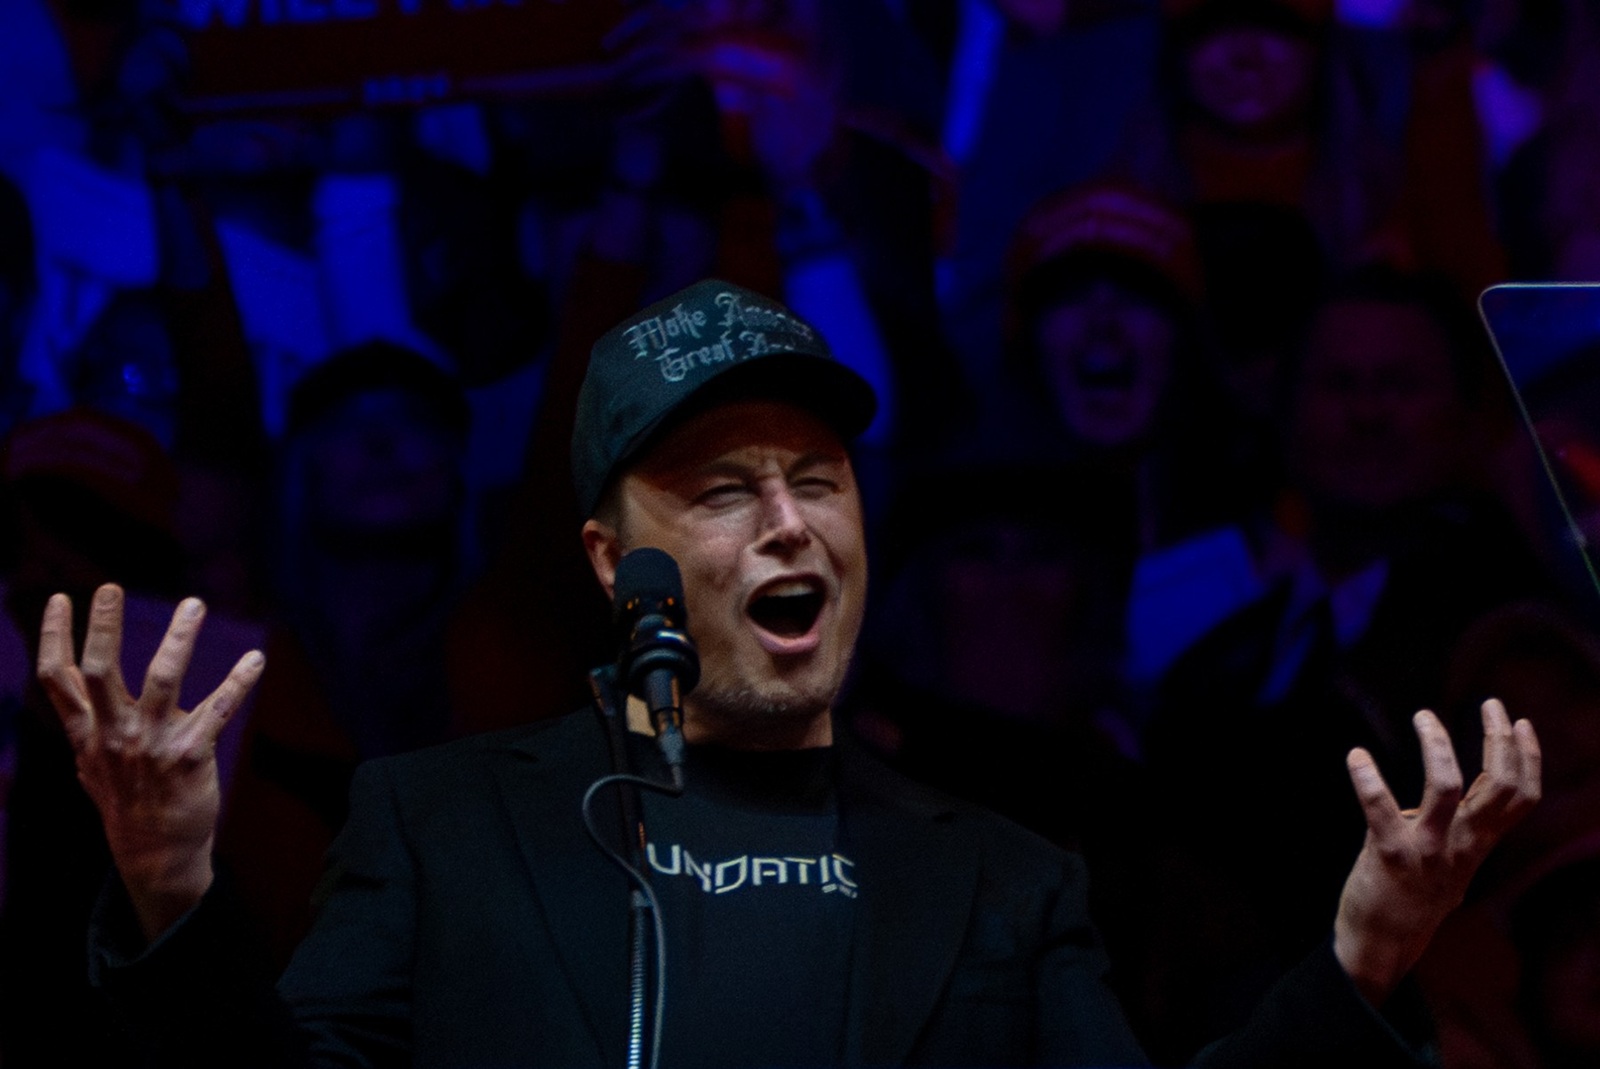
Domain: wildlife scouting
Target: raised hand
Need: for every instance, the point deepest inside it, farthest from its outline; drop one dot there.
(149, 766)
(1416, 864)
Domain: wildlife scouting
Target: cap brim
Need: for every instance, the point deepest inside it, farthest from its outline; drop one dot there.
(824, 387)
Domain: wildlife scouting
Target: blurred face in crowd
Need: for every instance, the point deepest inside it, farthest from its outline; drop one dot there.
(757, 502)
(1106, 351)
(381, 461)
(1379, 420)
(1251, 80)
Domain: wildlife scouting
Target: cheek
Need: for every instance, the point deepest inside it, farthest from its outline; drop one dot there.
(1062, 383)
(1152, 340)
(710, 575)
(843, 538)
(1435, 412)
(1257, 80)
(839, 527)
(1060, 330)
(1287, 72)
(1319, 426)
(1059, 337)
(1204, 68)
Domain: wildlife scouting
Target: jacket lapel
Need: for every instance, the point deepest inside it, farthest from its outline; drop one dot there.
(583, 896)
(918, 872)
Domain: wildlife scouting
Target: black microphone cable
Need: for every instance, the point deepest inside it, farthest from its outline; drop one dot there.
(642, 900)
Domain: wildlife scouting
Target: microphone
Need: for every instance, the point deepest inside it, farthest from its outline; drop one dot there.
(658, 662)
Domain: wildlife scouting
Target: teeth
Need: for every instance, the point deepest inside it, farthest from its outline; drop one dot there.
(790, 589)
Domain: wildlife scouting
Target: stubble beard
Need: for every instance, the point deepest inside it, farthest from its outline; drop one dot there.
(743, 713)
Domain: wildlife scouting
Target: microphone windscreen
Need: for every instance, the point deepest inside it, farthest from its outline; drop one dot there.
(647, 579)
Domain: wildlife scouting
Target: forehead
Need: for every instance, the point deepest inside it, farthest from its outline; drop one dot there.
(1363, 332)
(741, 432)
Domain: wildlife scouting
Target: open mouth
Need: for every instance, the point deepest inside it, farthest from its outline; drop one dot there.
(788, 609)
(1103, 368)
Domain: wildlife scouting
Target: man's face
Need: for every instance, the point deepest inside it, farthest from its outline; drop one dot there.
(1106, 352)
(1252, 79)
(381, 461)
(1379, 420)
(757, 502)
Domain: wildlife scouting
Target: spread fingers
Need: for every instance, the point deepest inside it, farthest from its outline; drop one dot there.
(1377, 801)
(164, 677)
(213, 714)
(1441, 792)
(102, 662)
(58, 669)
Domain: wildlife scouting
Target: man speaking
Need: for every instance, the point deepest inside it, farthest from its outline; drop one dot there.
(819, 909)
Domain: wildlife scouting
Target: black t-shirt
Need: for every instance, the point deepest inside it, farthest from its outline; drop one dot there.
(758, 901)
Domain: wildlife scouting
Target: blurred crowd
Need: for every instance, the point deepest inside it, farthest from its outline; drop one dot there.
(1194, 467)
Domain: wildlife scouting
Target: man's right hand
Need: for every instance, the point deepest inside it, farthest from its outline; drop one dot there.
(149, 766)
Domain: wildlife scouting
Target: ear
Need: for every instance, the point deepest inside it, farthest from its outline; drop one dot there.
(604, 548)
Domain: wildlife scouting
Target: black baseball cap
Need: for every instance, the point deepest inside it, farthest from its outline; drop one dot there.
(704, 345)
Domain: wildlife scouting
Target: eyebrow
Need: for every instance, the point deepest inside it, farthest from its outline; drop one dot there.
(818, 458)
(805, 462)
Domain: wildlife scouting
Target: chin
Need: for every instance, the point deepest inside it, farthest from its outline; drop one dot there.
(765, 704)
(748, 706)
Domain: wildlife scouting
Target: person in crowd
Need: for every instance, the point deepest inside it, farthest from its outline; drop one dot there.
(1106, 333)
(989, 669)
(1029, 97)
(1337, 609)
(89, 496)
(1262, 105)
(1257, 108)
(1385, 409)
(1511, 977)
(373, 555)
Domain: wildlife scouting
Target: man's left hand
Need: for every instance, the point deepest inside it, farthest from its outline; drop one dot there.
(1416, 864)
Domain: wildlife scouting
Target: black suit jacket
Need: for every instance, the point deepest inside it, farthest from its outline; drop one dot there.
(469, 921)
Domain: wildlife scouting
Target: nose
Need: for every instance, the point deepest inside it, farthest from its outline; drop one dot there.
(1106, 305)
(1367, 405)
(783, 526)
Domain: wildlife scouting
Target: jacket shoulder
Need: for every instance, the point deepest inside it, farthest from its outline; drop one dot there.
(576, 738)
(1000, 841)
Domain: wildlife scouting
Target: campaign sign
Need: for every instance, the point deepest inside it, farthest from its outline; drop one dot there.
(276, 55)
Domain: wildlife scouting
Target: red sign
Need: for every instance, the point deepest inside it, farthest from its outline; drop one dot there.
(254, 55)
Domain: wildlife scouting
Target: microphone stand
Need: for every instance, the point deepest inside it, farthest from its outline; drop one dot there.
(658, 663)
(644, 910)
